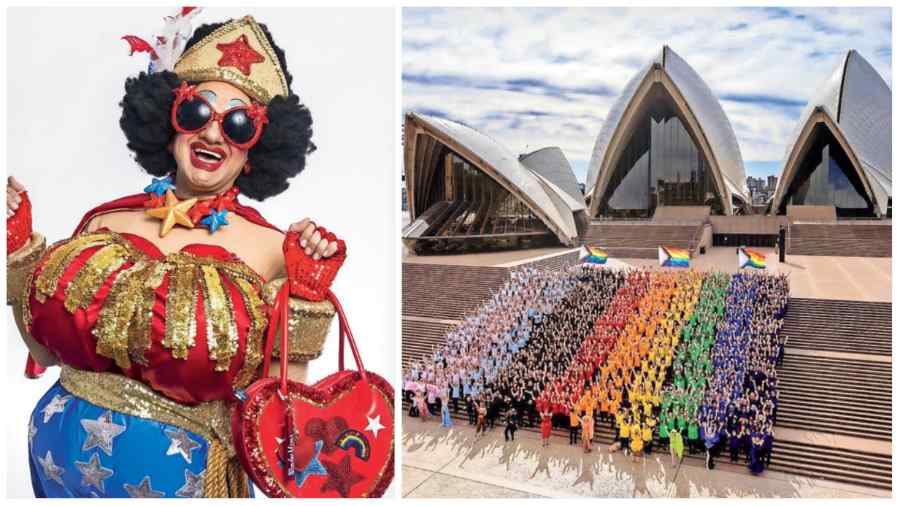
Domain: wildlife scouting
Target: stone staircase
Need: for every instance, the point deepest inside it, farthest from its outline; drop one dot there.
(640, 239)
(839, 326)
(420, 337)
(840, 239)
(834, 464)
(835, 396)
(447, 291)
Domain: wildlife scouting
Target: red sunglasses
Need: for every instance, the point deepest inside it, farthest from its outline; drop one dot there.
(241, 125)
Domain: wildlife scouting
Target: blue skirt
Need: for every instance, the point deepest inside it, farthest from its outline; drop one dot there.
(79, 449)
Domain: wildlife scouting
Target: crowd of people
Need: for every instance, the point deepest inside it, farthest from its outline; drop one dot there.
(638, 367)
(686, 358)
(692, 365)
(740, 406)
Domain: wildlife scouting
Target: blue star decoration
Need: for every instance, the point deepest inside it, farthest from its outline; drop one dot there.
(215, 219)
(314, 468)
(159, 186)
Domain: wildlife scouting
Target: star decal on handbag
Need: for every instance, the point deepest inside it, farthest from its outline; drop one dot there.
(374, 425)
(340, 477)
(238, 54)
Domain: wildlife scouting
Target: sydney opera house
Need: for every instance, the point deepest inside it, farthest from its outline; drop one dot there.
(666, 170)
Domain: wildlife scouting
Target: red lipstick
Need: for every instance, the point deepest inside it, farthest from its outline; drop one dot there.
(205, 157)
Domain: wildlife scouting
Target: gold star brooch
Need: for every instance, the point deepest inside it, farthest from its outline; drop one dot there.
(173, 212)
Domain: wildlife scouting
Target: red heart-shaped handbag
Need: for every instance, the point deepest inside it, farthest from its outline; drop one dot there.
(331, 439)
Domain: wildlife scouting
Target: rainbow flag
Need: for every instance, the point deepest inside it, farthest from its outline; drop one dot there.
(750, 258)
(674, 257)
(595, 255)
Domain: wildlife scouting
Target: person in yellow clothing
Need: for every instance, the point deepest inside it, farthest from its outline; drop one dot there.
(637, 442)
(624, 431)
(676, 446)
(647, 434)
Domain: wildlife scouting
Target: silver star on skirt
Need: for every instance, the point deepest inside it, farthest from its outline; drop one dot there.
(101, 433)
(92, 473)
(143, 490)
(53, 471)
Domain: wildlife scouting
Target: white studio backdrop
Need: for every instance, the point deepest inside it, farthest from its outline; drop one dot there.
(66, 69)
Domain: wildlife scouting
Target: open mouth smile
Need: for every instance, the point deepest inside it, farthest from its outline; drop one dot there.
(205, 157)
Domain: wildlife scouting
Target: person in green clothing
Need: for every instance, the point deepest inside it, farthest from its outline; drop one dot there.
(676, 446)
(693, 435)
(664, 422)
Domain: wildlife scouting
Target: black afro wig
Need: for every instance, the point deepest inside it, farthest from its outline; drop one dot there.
(279, 155)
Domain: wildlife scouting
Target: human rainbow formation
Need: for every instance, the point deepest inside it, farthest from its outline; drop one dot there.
(653, 351)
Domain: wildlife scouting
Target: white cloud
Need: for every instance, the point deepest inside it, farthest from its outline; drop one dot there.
(467, 62)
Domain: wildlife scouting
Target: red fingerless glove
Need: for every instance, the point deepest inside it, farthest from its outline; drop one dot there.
(18, 226)
(310, 279)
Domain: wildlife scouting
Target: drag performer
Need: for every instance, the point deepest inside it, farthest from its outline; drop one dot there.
(156, 307)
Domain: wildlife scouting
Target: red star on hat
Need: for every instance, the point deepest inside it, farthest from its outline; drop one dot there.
(239, 54)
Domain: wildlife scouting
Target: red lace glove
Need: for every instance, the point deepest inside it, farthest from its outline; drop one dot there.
(310, 279)
(18, 226)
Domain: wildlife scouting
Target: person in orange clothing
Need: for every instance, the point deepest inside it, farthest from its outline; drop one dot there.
(574, 423)
(587, 430)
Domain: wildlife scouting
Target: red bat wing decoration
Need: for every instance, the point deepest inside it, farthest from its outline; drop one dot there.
(139, 45)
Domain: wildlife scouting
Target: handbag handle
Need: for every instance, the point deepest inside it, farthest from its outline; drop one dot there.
(280, 319)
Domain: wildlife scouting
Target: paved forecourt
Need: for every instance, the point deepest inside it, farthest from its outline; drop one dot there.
(439, 462)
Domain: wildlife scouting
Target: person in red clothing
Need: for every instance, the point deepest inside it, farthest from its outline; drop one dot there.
(546, 417)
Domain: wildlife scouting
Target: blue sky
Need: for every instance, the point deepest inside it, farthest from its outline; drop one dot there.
(533, 77)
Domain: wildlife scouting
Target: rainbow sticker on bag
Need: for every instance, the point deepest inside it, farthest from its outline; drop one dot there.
(674, 257)
(750, 258)
(595, 255)
(354, 440)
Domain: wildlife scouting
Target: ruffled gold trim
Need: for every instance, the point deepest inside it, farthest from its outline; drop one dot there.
(123, 327)
(308, 324)
(20, 265)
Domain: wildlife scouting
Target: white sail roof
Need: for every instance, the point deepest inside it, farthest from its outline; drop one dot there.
(701, 102)
(551, 202)
(858, 101)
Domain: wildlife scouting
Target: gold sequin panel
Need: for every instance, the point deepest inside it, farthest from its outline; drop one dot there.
(308, 324)
(193, 291)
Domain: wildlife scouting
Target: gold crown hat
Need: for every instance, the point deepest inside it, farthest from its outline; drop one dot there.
(237, 53)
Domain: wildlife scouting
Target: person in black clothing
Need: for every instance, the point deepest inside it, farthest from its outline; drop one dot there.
(470, 410)
(509, 433)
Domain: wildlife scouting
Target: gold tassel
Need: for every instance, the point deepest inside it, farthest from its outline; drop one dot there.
(92, 275)
(181, 308)
(215, 481)
(118, 314)
(60, 259)
(256, 308)
(222, 337)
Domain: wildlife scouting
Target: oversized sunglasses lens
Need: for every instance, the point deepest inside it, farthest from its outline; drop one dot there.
(238, 126)
(193, 114)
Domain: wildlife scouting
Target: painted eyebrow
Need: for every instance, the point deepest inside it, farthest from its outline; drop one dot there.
(208, 95)
(234, 102)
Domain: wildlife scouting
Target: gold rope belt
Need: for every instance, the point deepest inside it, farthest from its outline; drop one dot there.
(212, 420)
